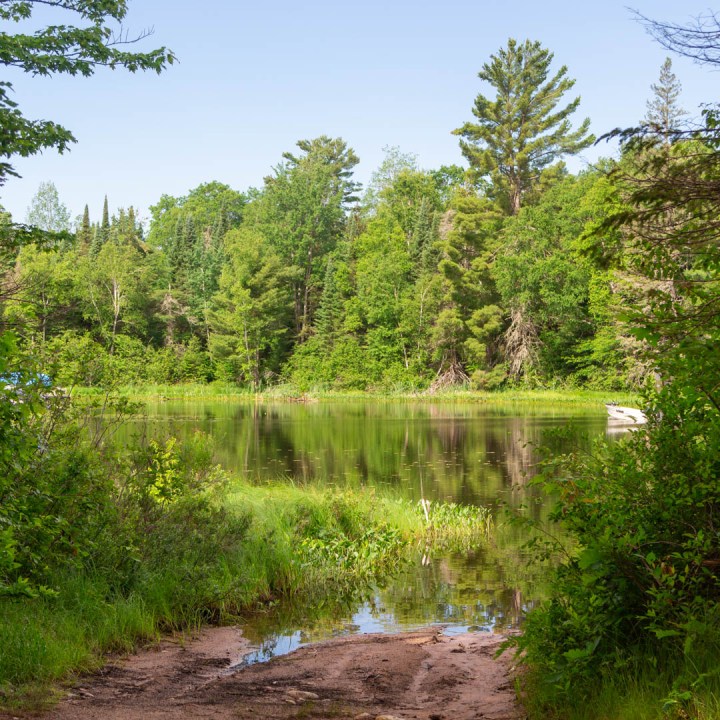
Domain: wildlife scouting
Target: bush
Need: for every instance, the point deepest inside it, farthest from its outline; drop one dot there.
(641, 580)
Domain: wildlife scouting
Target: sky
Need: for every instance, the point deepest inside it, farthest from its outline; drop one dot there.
(253, 78)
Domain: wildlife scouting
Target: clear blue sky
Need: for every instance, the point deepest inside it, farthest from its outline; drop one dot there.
(254, 78)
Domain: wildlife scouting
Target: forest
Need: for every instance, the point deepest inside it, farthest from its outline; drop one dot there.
(505, 272)
(511, 271)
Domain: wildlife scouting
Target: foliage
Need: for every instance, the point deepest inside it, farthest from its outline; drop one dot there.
(42, 306)
(394, 162)
(54, 493)
(251, 308)
(301, 215)
(468, 323)
(640, 587)
(544, 280)
(642, 579)
(46, 211)
(663, 111)
(62, 48)
(456, 527)
(522, 130)
(181, 544)
(429, 287)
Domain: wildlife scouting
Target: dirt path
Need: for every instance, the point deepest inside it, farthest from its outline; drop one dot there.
(423, 675)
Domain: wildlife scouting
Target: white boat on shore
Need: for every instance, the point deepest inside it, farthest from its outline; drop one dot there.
(625, 415)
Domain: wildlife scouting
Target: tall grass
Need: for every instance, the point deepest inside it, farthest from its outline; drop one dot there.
(214, 390)
(279, 543)
(233, 393)
(644, 686)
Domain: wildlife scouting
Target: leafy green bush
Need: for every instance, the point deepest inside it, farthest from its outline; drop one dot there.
(54, 492)
(641, 586)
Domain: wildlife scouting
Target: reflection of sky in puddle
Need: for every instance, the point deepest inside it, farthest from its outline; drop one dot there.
(372, 618)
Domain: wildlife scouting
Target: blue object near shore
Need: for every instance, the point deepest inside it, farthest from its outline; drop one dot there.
(19, 380)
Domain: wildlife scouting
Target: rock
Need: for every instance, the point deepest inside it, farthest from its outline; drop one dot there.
(364, 716)
(302, 695)
(387, 717)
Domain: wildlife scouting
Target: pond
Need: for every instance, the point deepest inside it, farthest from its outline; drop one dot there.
(465, 452)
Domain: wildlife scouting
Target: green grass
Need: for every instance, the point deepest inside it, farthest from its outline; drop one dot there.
(644, 688)
(304, 546)
(228, 392)
(215, 391)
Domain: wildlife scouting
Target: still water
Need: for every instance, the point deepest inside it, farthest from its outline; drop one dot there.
(465, 452)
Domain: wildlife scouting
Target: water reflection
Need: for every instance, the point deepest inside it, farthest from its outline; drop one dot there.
(465, 452)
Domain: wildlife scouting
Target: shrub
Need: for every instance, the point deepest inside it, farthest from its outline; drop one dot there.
(642, 578)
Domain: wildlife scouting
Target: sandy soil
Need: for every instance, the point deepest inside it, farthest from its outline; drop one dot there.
(423, 675)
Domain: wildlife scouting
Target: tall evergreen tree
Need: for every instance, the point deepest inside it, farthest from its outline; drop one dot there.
(302, 214)
(105, 223)
(663, 110)
(95, 241)
(423, 245)
(329, 313)
(334, 154)
(84, 234)
(467, 327)
(250, 317)
(522, 130)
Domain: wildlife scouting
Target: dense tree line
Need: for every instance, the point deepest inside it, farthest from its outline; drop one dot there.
(429, 279)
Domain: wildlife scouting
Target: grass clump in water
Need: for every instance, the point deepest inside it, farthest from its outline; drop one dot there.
(313, 542)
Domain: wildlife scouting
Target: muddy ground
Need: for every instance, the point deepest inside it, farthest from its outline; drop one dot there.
(424, 675)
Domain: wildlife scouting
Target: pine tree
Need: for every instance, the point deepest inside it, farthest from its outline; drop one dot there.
(663, 111)
(104, 234)
(470, 319)
(84, 234)
(220, 227)
(334, 154)
(96, 241)
(174, 251)
(329, 313)
(423, 242)
(522, 130)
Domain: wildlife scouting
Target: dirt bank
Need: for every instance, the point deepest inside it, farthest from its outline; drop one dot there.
(423, 675)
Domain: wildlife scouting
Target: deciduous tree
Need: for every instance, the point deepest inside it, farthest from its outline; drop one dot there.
(46, 211)
(62, 48)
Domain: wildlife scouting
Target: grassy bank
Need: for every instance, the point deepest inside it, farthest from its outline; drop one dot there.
(644, 686)
(251, 548)
(225, 392)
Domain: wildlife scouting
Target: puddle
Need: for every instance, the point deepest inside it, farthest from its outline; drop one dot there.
(368, 619)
